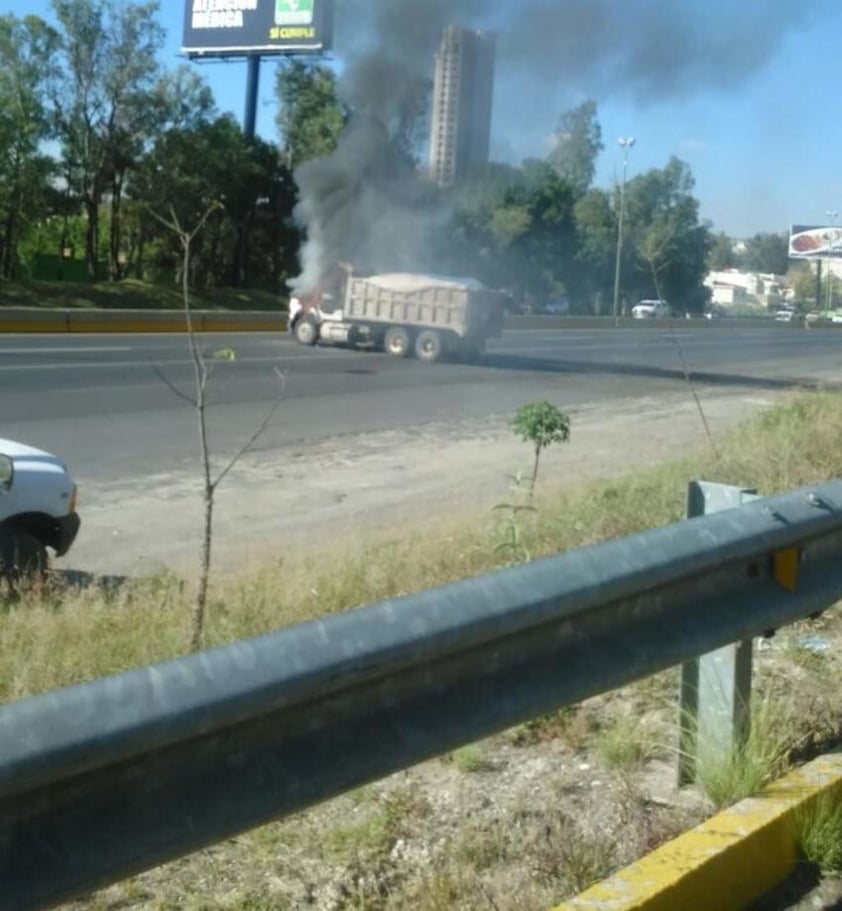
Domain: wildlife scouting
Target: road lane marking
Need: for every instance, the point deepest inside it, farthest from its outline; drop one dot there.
(161, 362)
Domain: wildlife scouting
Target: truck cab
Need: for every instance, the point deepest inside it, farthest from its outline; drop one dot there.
(319, 313)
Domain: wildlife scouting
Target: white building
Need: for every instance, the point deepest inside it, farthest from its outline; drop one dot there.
(730, 287)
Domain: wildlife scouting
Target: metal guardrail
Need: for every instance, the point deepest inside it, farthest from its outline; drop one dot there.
(108, 778)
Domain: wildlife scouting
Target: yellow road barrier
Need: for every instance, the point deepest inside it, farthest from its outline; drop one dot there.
(726, 862)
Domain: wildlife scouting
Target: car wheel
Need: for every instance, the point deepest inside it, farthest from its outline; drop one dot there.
(428, 346)
(22, 557)
(396, 341)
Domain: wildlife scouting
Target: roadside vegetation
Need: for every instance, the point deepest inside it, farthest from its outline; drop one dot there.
(516, 822)
(132, 295)
(99, 631)
(100, 132)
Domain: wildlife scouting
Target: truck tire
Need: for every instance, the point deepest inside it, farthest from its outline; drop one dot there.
(306, 331)
(429, 346)
(22, 556)
(396, 341)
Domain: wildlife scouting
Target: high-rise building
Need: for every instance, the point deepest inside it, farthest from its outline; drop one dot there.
(462, 99)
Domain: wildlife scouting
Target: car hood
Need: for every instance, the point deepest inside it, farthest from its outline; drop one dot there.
(22, 451)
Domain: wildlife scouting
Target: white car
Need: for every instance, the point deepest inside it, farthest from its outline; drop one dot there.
(785, 315)
(650, 309)
(37, 509)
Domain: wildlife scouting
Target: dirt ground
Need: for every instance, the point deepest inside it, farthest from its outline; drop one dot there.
(322, 493)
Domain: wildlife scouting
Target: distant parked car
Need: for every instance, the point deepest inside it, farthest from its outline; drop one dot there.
(785, 315)
(650, 309)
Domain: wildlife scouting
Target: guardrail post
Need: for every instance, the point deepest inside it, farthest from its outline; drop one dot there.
(715, 692)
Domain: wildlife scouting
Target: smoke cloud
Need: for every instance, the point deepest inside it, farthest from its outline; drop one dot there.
(366, 204)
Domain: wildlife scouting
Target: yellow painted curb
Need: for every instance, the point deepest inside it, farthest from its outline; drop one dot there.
(726, 862)
(10, 326)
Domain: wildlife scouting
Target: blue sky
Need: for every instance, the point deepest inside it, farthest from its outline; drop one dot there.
(764, 148)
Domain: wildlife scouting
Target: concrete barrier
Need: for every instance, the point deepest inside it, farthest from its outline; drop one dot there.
(22, 319)
(730, 860)
(83, 320)
(607, 322)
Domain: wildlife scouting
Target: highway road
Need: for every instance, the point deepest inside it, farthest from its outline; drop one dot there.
(361, 440)
(101, 402)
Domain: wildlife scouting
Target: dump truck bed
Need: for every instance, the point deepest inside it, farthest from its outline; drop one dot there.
(463, 306)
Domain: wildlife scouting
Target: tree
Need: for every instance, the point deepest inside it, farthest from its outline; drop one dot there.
(578, 142)
(475, 232)
(670, 243)
(181, 101)
(767, 253)
(802, 280)
(101, 93)
(541, 424)
(722, 253)
(310, 116)
(202, 370)
(25, 50)
(596, 228)
(248, 181)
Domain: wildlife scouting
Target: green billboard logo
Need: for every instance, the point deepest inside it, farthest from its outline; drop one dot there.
(293, 12)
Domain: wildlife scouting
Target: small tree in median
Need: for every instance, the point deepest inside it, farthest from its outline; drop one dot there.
(541, 424)
(202, 368)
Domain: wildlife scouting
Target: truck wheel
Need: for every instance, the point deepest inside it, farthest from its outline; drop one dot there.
(428, 346)
(396, 341)
(306, 331)
(21, 557)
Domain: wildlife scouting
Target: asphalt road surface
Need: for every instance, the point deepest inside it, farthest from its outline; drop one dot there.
(107, 403)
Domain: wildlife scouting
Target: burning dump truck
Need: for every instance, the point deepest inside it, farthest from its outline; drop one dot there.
(432, 316)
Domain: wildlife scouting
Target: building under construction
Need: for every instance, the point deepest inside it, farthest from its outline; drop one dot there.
(462, 100)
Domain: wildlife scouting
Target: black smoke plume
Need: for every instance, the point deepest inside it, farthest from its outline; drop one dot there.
(369, 205)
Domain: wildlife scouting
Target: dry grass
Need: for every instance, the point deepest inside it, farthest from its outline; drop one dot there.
(70, 636)
(484, 835)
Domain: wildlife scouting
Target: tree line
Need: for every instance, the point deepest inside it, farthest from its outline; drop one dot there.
(97, 135)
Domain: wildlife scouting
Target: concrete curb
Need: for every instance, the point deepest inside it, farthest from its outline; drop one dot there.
(29, 320)
(728, 861)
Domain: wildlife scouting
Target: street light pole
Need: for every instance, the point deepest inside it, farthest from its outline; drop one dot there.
(625, 142)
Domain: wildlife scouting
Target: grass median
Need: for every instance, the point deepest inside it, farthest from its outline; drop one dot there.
(132, 295)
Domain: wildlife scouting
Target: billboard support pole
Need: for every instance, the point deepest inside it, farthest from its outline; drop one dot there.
(251, 95)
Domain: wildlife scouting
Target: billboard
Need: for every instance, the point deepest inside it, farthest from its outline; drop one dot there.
(230, 28)
(815, 242)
